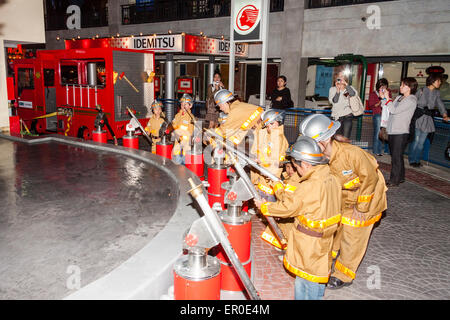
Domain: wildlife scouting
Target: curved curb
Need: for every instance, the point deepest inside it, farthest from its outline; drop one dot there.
(148, 273)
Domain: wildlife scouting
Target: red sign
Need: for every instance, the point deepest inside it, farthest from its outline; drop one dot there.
(185, 85)
(246, 17)
(246, 20)
(157, 83)
(435, 69)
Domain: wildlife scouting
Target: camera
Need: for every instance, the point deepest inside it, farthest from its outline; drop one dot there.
(339, 80)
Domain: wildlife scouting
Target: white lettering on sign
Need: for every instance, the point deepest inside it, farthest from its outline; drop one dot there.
(74, 20)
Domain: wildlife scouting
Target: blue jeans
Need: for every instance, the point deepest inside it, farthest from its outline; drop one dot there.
(179, 158)
(377, 143)
(416, 147)
(308, 290)
(376, 131)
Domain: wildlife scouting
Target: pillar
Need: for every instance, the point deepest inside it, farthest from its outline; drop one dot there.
(169, 87)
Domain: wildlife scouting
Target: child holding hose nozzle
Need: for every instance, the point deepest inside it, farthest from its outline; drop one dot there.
(183, 127)
(315, 203)
(154, 123)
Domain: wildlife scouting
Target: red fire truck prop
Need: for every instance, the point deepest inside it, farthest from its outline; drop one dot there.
(66, 88)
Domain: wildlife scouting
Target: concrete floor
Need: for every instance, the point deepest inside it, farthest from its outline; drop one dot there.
(67, 210)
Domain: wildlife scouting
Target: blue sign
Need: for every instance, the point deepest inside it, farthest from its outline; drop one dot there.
(324, 79)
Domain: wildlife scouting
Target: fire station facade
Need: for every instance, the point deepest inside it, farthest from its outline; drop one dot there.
(387, 33)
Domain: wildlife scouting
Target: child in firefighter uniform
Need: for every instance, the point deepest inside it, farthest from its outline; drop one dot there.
(183, 126)
(241, 116)
(315, 203)
(154, 123)
(269, 148)
(363, 196)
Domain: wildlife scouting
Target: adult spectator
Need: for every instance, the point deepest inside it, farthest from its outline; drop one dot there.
(401, 111)
(428, 98)
(212, 114)
(374, 104)
(341, 111)
(281, 96)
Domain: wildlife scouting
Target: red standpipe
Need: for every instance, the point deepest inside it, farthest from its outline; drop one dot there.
(164, 150)
(194, 162)
(239, 229)
(185, 289)
(99, 136)
(196, 277)
(131, 141)
(217, 174)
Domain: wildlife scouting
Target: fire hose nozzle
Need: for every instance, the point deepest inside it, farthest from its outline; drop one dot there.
(196, 191)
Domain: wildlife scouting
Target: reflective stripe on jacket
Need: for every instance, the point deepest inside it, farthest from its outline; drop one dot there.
(315, 202)
(362, 183)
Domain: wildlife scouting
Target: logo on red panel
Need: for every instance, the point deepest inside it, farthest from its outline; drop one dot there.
(247, 18)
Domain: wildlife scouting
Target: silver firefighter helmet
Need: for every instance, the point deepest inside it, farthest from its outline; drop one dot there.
(222, 96)
(157, 103)
(306, 149)
(187, 98)
(319, 127)
(272, 115)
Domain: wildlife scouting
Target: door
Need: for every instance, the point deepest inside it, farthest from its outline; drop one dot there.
(50, 97)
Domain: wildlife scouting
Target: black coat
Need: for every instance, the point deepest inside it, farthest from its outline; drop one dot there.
(285, 102)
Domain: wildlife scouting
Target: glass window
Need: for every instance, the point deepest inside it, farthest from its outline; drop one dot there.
(25, 78)
(418, 70)
(49, 77)
(392, 71)
(101, 73)
(69, 74)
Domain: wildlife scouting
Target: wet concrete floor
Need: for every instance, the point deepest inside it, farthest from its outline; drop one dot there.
(69, 215)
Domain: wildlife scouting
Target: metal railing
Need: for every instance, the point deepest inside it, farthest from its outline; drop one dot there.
(433, 152)
(312, 4)
(173, 10)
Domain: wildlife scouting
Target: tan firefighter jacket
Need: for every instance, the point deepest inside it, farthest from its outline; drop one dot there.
(361, 181)
(270, 150)
(285, 224)
(241, 118)
(152, 128)
(183, 125)
(315, 202)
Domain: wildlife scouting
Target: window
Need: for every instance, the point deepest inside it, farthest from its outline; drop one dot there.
(25, 78)
(75, 72)
(69, 74)
(49, 77)
(417, 70)
(392, 71)
(101, 73)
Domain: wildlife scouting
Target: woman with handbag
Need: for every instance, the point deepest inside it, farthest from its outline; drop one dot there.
(428, 100)
(339, 97)
(401, 111)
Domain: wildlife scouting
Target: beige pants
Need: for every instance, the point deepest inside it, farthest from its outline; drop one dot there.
(352, 243)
